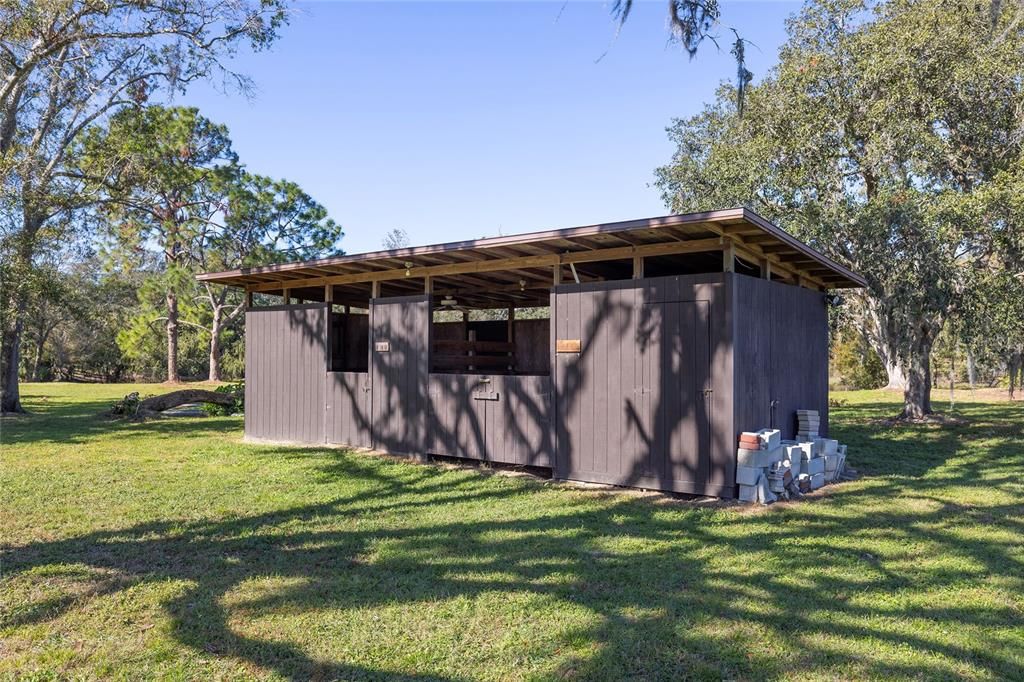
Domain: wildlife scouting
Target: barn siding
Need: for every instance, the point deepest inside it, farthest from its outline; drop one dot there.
(348, 418)
(496, 418)
(285, 360)
(629, 409)
(799, 355)
(781, 334)
(399, 376)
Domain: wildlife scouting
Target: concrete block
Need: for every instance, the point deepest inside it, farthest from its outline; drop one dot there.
(757, 458)
(747, 475)
(814, 466)
(748, 493)
(830, 446)
(817, 481)
(770, 438)
(764, 494)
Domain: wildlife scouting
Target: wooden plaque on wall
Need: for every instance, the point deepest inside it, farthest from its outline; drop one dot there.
(567, 346)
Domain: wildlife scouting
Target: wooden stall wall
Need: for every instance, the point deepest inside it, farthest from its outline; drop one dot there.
(781, 338)
(348, 418)
(399, 364)
(496, 418)
(646, 399)
(799, 355)
(752, 321)
(285, 368)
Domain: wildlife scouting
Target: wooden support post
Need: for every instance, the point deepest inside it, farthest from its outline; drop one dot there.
(729, 257)
(248, 299)
(375, 289)
(766, 269)
(512, 337)
(558, 274)
(286, 294)
(328, 293)
(638, 267)
(428, 285)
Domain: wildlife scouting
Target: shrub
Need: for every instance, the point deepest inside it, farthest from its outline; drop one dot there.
(237, 389)
(127, 406)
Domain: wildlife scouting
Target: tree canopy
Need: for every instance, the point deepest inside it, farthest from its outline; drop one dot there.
(872, 139)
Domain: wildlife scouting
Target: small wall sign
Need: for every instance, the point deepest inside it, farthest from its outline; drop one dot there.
(382, 346)
(567, 346)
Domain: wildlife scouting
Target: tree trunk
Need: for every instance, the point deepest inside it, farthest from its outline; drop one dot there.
(10, 395)
(1014, 365)
(14, 327)
(172, 338)
(876, 328)
(917, 400)
(972, 369)
(215, 331)
(897, 377)
(44, 336)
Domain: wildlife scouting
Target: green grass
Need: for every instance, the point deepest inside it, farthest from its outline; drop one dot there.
(171, 549)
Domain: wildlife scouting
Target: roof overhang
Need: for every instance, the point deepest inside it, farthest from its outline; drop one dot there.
(514, 266)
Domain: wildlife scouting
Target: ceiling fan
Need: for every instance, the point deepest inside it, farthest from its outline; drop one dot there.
(450, 303)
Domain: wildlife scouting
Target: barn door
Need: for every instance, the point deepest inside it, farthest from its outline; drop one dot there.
(675, 393)
(399, 365)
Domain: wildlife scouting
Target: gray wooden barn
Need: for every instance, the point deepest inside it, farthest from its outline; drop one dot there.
(630, 353)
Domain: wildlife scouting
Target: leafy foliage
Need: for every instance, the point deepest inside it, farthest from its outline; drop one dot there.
(237, 390)
(127, 406)
(873, 139)
(66, 65)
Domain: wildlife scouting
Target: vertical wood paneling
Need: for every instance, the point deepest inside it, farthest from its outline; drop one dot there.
(286, 372)
(799, 354)
(348, 409)
(781, 334)
(649, 353)
(399, 375)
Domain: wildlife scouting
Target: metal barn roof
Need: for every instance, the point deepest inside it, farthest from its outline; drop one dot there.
(519, 268)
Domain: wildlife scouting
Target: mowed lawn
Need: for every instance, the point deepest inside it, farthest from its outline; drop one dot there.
(171, 549)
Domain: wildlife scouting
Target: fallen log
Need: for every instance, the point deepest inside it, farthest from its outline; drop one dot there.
(133, 407)
(159, 403)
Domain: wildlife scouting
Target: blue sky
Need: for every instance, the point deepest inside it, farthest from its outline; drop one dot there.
(457, 120)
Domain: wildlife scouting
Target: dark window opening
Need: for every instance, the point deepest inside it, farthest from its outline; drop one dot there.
(599, 271)
(683, 264)
(350, 341)
(745, 268)
(485, 341)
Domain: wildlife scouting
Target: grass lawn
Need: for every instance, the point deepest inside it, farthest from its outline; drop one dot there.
(171, 549)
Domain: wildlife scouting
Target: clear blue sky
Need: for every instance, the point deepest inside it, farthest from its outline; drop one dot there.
(456, 120)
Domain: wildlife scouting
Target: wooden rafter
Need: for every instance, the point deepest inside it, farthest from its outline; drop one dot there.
(498, 264)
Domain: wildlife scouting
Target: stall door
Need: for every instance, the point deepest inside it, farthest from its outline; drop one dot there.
(495, 418)
(399, 338)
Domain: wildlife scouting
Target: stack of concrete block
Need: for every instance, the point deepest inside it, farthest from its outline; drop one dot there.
(758, 451)
(769, 468)
(807, 424)
(834, 462)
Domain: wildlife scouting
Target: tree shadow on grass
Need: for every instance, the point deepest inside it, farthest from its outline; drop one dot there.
(657, 599)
